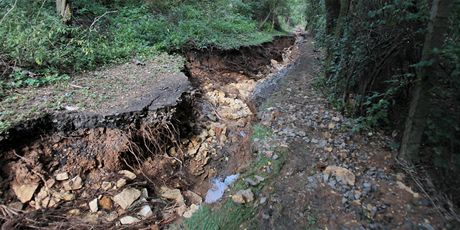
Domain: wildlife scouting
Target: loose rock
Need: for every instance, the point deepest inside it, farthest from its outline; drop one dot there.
(145, 212)
(342, 174)
(25, 192)
(189, 213)
(243, 196)
(62, 176)
(93, 205)
(129, 220)
(127, 197)
(106, 185)
(128, 174)
(121, 182)
(73, 184)
(106, 203)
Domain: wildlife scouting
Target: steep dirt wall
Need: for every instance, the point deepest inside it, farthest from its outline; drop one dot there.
(253, 61)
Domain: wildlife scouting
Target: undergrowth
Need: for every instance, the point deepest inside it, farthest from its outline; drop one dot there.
(35, 39)
(38, 49)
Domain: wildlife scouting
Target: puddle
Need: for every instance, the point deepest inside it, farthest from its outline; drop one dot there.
(218, 188)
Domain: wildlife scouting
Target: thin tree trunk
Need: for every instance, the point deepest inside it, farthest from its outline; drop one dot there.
(332, 14)
(64, 9)
(426, 76)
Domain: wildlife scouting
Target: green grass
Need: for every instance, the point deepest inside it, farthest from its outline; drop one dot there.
(34, 36)
(234, 216)
(261, 132)
(230, 216)
(36, 41)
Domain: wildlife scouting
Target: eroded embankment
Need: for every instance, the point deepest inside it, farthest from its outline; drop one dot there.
(146, 161)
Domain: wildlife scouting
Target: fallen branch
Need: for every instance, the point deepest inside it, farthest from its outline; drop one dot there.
(99, 18)
(9, 11)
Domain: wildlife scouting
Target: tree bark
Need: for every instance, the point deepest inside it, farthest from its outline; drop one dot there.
(64, 9)
(332, 14)
(426, 77)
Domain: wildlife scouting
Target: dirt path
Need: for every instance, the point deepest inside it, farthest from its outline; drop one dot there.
(332, 178)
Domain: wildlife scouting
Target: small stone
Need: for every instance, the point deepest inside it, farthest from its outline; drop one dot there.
(145, 193)
(106, 185)
(400, 176)
(25, 192)
(342, 174)
(331, 125)
(193, 198)
(93, 206)
(367, 186)
(172, 194)
(67, 196)
(128, 174)
(251, 182)
(243, 196)
(73, 184)
(74, 212)
(127, 197)
(259, 178)
(106, 203)
(145, 211)
(62, 176)
(91, 218)
(275, 157)
(111, 216)
(269, 154)
(129, 220)
(407, 189)
(263, 200)
(121, 182)
(189, 213)
(50, 183)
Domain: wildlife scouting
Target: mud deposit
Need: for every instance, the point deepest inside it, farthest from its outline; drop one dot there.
(143, 165)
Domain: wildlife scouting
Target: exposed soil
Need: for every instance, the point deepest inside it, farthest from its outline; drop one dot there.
(227, 80)
(64, 167)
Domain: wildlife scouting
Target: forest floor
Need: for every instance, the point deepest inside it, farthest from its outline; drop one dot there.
(332, 177)
(310, 169)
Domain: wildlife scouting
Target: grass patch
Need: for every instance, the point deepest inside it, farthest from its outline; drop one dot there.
(230, 216)
(234, 216)
(261, 132)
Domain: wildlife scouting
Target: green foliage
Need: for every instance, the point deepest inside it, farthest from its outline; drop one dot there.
(370, 57)
(315, 14)
(105, 32)
(230, 216)
(443, 129)
(373, 56)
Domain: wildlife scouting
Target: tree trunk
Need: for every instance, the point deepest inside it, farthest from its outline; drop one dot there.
(64, 9)
(332, 14)
(420, 101)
